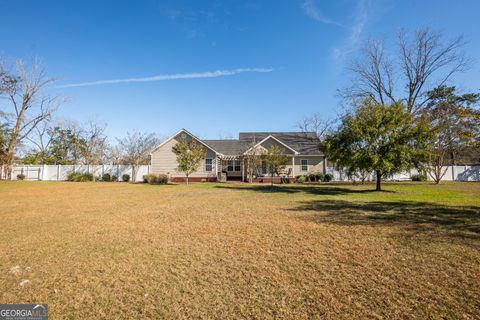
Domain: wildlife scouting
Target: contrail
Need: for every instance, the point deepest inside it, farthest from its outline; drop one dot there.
(163, 77)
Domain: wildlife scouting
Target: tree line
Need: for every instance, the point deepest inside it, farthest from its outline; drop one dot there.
(402, 111)
(30, 134)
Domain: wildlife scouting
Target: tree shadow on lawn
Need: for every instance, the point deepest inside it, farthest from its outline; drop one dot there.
(413, 216)
(289, 189)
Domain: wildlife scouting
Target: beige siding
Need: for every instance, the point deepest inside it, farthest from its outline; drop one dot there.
(272, 142)
(315, 164)
(164, 161)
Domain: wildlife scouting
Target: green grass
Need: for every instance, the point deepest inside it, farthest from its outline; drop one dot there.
(118, 250)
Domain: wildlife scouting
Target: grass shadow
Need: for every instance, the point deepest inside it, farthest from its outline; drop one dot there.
(291, 189)
(461, 221)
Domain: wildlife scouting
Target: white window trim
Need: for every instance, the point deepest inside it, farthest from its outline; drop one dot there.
(211, 165)
(301, 165)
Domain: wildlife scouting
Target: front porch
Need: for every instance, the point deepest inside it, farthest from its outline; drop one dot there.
(233, 168)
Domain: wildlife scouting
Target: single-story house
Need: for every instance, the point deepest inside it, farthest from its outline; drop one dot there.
(224, 159)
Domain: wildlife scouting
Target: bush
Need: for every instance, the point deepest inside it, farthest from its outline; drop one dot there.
(328, 177)
(155, 178)
(145, 178)
(106, 177)
(114, 178)
(419, 177)
(301, 179)
(311, 177)
(319, 176)
(126, 177)
(79, 177)
(20, 176)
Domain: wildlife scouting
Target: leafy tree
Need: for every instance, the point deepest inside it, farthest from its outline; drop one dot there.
(276, 160)
(456, 125)
(379, 138)
(189, 156)
(136, 149)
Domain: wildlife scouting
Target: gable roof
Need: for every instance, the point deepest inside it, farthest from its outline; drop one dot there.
(272, 137)
(176, 134)
(301, 143)
(305, 143)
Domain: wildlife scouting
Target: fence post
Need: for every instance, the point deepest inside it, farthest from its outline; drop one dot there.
(58, 172)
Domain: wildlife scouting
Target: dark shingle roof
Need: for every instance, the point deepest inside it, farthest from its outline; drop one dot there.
(227, 147)
(302, 142)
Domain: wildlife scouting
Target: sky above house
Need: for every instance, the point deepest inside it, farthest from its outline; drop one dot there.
(214, 67)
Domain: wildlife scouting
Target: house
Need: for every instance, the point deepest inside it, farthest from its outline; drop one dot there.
(224, 159)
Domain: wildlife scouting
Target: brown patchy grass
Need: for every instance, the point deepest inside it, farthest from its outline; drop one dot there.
(124, 251)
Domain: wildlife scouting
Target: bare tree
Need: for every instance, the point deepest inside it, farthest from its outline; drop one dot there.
(29, 105)
(136, 148)
(113, 154)
(422, 63)
(315, 123)
(41, 137)
(252, 159)
(94, 144)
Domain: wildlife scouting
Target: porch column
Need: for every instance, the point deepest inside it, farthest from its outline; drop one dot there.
(243, 169)
(293, 166)
(216, 166)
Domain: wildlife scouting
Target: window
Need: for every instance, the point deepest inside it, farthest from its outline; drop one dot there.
(208, 164)
(230, 165)
(237, 165)
(264, 167)
(304, 165)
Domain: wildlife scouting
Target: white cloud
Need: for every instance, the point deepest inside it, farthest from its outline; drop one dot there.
(313, 12)
(164, 77)
(360, 19)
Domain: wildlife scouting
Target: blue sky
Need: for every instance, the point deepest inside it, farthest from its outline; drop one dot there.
(218, 67)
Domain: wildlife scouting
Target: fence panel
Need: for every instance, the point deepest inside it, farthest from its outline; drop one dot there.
(61, 172)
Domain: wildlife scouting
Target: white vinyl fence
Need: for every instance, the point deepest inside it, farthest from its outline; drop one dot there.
(453, 173)
(60, 172)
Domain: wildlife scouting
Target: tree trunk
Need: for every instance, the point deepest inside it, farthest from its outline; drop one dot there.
(134, 173)
(379, 181)
(187, 179)
(8, 166)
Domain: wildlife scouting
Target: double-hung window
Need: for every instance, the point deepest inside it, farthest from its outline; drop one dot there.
(230, 165)
(304, 165)
(208, 164)
(237, 166)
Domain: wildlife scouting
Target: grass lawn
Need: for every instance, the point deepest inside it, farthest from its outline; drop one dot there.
(125, 251)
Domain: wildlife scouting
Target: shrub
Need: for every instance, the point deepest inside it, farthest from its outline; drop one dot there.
(156, 178)
(79, 177)
(319, 176)
(419, 177)
(162, 179)
(20, 176)
(106, 177)
(114, 178)
(126, 177)
(311, 177)
(301, 179)
(145, 178)
(328, 177)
